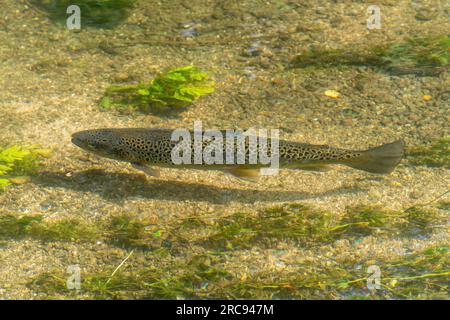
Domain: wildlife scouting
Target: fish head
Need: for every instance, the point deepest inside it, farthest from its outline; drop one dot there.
(100, 141)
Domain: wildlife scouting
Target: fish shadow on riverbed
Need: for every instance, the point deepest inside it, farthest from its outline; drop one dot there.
(117, 186)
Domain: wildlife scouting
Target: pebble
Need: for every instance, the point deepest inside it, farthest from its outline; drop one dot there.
(332, 94)
(121, 76)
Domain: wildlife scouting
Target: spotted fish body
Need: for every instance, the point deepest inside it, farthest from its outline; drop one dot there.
(153, 147)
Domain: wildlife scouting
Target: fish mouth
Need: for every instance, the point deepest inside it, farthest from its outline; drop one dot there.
(78, 142)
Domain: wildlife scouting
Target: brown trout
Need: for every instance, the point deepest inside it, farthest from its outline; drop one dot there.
(147, 148)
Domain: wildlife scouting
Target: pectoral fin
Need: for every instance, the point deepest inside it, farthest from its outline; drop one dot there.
(146, 169)
(244, 174)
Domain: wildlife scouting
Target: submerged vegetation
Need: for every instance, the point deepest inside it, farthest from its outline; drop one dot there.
(177, 87)
(436, 154)
(293, 221)
(203, 236)
(200, 262)
(123, 230)
(422, 56)
(426, 55)
(15, 226)
(19, 162)
(309, 226)
(421, 275)
(241, 230)
(126, 230)
(94, 13)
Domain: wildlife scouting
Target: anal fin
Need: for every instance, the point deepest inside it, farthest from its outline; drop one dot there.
(244, 173)
(146, 169)
(313, 167)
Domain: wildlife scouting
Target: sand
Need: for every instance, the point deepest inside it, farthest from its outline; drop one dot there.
(51, 80)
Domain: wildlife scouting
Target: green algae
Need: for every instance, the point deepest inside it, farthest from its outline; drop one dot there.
(16, 226)
(208, 272)
(308, 226)
(337, 57)
(420, 275)
(415, 221)
(305, 225)
(175, 88)
(126, 230)
(420, 220)
(19, 161)
(179, 280)
(69, 230)
(98, 14)
(366, 220)
(416, 55)
(36, 227)
(436, 154)
(291, 221)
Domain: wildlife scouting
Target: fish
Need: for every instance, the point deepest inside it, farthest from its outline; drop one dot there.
(148, 149)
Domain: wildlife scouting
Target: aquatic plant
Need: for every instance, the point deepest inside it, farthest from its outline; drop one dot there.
(16, 226)
(365, 220)
(336, 57)
(419, 220)
(205, 267)
(291, 221)
(94, 13)
(36, 227)
(307, 225)
(420, 275)
(17, 162)
(436, 154)
(177, 87)
(303, 224)
(74, 230)
(187, 279)
(418, 55)
(126, 230)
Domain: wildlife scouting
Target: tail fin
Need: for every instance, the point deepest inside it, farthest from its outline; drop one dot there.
(382, 159)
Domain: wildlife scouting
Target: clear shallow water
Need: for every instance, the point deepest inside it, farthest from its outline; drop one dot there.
(195, 234)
